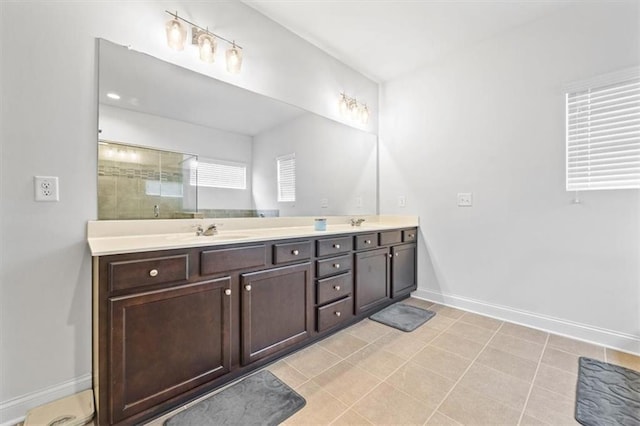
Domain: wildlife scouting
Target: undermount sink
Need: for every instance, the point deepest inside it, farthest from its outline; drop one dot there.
(218, 237)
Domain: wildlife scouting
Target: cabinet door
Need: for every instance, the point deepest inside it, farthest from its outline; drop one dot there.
(371, 278)
(277, 310)
(403, 269)
(165, 342)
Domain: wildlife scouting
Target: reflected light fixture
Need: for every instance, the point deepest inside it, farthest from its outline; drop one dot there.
(349, 107)
(206, 41)
(112, 95)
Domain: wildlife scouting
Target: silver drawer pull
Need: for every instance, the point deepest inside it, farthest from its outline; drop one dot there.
(247, 287)
(336, 246)
(337, 313)
(228, 292)
(412, 235)
(336, 265)
(153, 272)
(367, 241)
(295, 252)
(336, 287)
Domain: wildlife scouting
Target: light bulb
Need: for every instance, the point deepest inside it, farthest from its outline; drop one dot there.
(364, 115)
(176, 34)
(207, 45)
(353, 109)
(234, 59)
(343, 105)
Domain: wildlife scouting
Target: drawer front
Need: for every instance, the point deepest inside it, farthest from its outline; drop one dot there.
(224, 260)
(139, 273)
(291, 252)
(334, 313)
(333, 288)
(333, 266)
(390, 237)
(366, 241)
(409, 235)
(331, 246)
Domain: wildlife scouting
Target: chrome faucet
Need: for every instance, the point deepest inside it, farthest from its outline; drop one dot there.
(356, 222)
(199, 230)
(211, 230)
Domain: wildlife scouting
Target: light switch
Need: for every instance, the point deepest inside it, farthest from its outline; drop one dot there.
(358, 202)
(402, 201)
(465, 199)
(324, 203)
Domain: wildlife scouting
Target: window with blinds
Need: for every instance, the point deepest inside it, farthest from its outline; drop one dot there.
(603, 132)
(286, 178)
(218, 174)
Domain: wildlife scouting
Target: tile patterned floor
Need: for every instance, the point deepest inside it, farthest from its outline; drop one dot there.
(457, 369)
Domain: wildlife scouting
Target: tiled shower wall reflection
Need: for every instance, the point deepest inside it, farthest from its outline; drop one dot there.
(143, 183)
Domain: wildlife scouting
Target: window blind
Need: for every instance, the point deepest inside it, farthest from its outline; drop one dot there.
(286, 178)
(218, 174)
(603, 134)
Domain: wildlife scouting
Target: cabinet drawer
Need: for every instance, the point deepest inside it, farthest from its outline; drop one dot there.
(231, 259)
(334, 313)
(333, 288)
(139, 273)
(331, 246)
(390, 237)
(366, 241)
(291, 252)
(409, 235)
(333, 266)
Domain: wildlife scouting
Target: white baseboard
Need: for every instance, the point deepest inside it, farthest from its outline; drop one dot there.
(599, 336)
(14, 410)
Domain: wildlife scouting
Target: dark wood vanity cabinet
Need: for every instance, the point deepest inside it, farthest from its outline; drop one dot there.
(173, 324)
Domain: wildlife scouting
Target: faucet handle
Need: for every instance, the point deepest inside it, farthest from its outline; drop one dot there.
(199, 230)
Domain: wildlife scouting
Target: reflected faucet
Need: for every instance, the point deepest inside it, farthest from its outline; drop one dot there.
(211, 230)
(199, 230)
(356, 222)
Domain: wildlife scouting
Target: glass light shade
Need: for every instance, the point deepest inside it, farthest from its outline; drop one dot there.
(176, 34)
(353, 109)
(364, 115)
(343, 105)
(207, 45)
(234, 59)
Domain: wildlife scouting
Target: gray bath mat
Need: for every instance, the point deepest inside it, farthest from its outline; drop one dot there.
(261, 399)
(403, 317)
(607, 394)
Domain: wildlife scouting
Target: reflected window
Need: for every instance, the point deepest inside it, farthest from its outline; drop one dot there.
(214, 173)
(286, 177)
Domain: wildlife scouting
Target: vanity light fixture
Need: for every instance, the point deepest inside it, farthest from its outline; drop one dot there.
(205, 40)
(114, 96)
(350, 107)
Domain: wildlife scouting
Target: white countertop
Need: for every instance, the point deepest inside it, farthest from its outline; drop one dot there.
(117, 237)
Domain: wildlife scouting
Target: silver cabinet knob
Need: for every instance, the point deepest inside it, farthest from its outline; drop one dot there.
(390, 255)
(295, 252)
(412, 235)
(336, 246)
(337, 313)
(397, 254)
(336, 287)
(247, 287)
(228, 292)
(153, 272)
(367, 241)
(336, 265)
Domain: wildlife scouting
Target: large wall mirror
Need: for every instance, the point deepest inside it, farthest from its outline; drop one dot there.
(174, 143)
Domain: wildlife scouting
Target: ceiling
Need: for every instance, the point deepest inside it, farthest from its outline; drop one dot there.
(384, 39)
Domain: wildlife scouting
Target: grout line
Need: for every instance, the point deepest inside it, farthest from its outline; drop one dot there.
(535, 375)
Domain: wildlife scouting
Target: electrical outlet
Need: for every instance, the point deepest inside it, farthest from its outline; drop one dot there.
(359, 202)
(46, 188)
(324, 203)
(465, 199)
(402, 201)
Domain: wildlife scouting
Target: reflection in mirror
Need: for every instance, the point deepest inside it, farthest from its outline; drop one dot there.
(256, 156)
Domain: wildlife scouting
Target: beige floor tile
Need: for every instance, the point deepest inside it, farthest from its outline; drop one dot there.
(576, 347)
(525, 333)
(388, 405)
(422, 384)
(376, 360)
(405, 345)
(457, 345)
(346, 382)
(516, 346)
(418, 303)
(481, 321)
(312, 360)
(439, 322)
(321, 408)
(471, 408)
(351, 418)
(289, 375)
(446, 311)
(560, 359)
(556, 380)
(442, 362)
(343, 344)
(439, 419)
(624, 359)
(531, 421)
(550, 407)
(472, 332)
(502, 387)
(368, 330)
(425, 333)
(505, 362)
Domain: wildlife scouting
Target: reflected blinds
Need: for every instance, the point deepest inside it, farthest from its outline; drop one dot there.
(286, 178)
(219, 174)
(603, 133)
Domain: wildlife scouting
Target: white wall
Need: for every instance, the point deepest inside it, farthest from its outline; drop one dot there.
(490, 120)
(49, 122)
(135, 128)
(333, 162)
